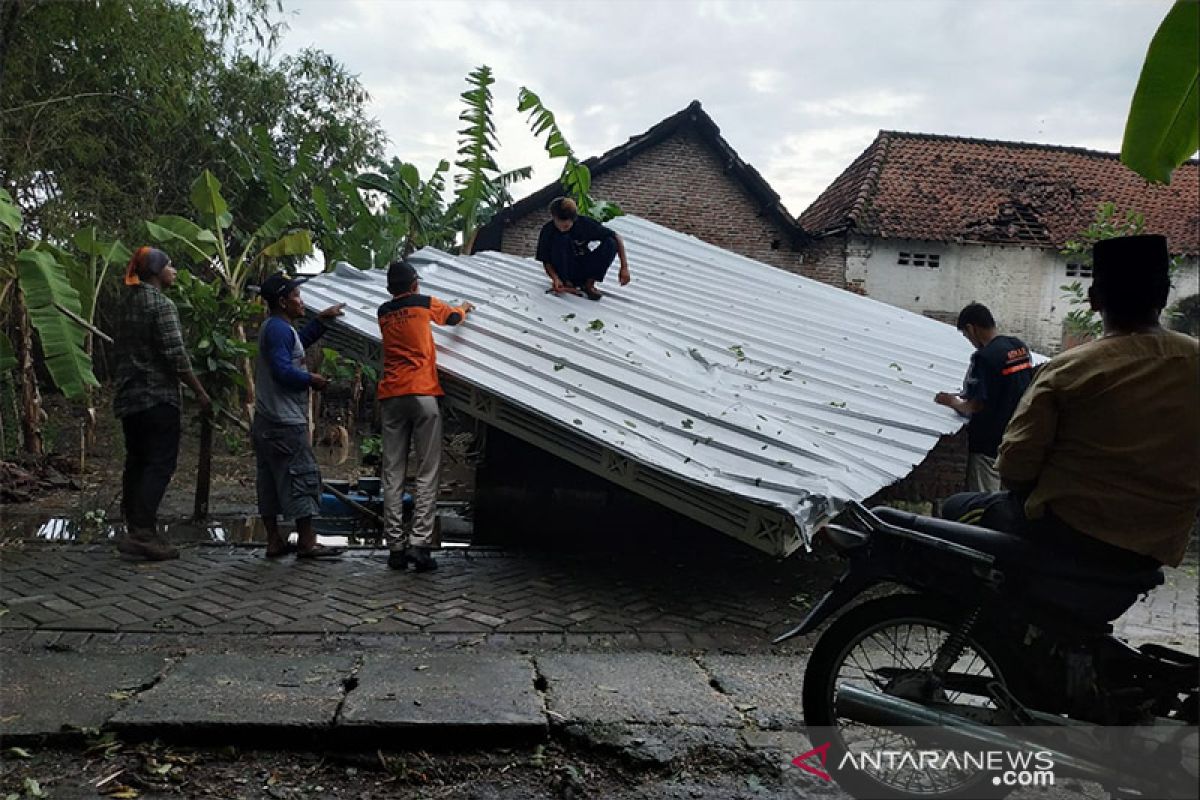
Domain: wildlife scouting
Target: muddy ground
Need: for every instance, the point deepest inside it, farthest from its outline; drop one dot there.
(109, 768)
(93, 476)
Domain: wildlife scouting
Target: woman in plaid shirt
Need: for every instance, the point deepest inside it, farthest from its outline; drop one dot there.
(151, 362)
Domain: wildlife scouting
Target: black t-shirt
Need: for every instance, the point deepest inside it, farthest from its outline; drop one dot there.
(583, 231)
(998, 376)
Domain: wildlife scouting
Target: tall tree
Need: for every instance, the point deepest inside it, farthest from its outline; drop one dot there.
(102, 111)
(109, 110)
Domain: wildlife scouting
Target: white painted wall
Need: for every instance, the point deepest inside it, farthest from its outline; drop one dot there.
(1019, 284)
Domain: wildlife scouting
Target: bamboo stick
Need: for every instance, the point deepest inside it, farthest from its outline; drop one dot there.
(83, 323)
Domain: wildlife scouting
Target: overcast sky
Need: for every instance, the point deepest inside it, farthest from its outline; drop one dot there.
(798, 88)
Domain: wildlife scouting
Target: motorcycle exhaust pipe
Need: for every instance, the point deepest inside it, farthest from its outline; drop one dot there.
(886, 711)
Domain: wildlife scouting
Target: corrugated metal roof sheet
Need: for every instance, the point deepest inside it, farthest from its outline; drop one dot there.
(733, 379)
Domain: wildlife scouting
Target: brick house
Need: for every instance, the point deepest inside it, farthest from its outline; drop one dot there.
(681, 174)
(928, 223)
(931, 223)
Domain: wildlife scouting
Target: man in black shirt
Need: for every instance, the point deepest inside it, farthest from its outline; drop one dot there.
(1000, 370)
(577, 251)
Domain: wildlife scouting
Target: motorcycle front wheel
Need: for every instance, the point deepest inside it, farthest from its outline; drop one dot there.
(888, 646)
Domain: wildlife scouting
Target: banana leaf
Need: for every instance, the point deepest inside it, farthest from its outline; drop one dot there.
(1163, 129)
(109, 252)
(207, 199)
(279, 222)
(44, 283)
(296, 243)
(173, 230)
(10, 212)
(87, 279)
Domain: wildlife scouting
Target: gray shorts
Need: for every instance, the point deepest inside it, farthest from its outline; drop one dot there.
(288, 479)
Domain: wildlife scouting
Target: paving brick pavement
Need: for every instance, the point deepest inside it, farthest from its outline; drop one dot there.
(700, 600)
(663, 602)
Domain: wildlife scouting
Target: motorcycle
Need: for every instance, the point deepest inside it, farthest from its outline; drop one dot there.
(989, 646)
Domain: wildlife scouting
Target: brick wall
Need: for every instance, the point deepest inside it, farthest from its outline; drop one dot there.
(682, 184)
(941, 474)
(825, 260)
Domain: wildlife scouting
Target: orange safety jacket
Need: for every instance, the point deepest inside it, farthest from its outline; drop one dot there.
(409, 356)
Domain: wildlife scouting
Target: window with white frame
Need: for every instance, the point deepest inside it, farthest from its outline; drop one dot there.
(932, 260)
(1079, 270)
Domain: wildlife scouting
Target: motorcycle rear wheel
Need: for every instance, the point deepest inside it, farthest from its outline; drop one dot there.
(911, 627)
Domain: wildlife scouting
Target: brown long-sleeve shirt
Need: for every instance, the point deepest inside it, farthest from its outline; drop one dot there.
(1109, 434)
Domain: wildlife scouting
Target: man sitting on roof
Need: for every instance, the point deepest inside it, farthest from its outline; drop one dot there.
(577, 251)
(1101, 456)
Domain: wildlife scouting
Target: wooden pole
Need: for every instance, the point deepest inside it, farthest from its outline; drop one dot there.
(31, 397)
(204, 470)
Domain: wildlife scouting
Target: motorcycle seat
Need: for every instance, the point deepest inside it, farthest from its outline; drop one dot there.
(1004, 546)
(1092, 589)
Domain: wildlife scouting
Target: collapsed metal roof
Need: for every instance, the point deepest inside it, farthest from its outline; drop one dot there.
(752, 399)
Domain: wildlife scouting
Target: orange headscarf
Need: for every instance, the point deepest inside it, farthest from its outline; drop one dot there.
(146, 261)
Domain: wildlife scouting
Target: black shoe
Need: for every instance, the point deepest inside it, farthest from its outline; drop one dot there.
(398, 559)
(146, 543)
(321, 551)
(421, 560)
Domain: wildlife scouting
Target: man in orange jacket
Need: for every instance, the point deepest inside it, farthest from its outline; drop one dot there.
(408, 399)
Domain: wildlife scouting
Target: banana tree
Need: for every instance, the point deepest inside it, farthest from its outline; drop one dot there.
(36, 295)
(210, 313)
(481, 188)
(414, 209)
(88, 277)
(209, 243)
(576, 178)
(375, 237)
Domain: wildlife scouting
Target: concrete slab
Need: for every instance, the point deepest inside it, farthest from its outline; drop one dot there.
(658, 745)
(632, 687)
(444, 694)
(765, 689)
(42, 694)
(205, 693)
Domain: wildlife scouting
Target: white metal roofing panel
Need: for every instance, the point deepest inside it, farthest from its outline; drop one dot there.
(728, 374)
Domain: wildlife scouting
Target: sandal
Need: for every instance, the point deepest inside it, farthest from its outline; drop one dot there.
(286, 550)
(321, 551)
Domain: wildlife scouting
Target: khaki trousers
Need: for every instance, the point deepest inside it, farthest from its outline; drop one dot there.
(410, 421)
(981, 473)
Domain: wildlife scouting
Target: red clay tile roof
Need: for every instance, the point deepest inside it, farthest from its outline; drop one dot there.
(951, 189)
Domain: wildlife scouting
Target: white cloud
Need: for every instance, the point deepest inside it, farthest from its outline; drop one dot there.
(873, 103)
(765, 81)
(798, 89)
(802, 165)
